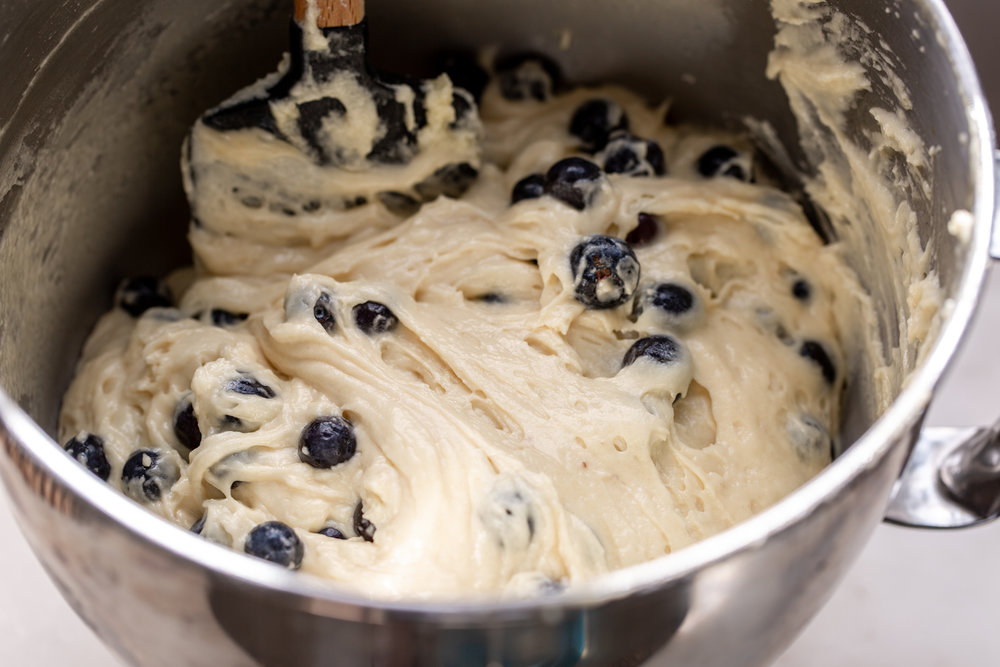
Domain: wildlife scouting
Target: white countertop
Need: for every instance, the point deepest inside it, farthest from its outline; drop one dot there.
(914, 598)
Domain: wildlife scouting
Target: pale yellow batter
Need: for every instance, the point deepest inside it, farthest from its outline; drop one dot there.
(501, 443)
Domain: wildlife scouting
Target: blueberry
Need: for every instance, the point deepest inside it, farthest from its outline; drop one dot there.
(573, 181)
(363, 528)
(645, 231)
(323, 312)
(451, 180)
(327, 441)
(90, 452)
(527, 76)
(509, 514)
(231, 423)
(275, 542)
(802, 290)
(809, 437)
(816, 353)
(399, 203)
(137, 295)
(724, 161)
(661, 349)
(186, 424)
(330, 531)
(671, 298)
(605, 272)
(147, 474)
(594, 121)
(374, 318)
(225, 318)
(464, 105)
(249, 386)
(199, 525)
(629, 155)
(550, 586)
(464, 72)
(529, 187)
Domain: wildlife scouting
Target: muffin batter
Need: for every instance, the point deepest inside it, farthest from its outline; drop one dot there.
(620, 340)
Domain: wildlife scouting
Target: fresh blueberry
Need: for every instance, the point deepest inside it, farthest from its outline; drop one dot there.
(147, 474)
(629, 155)
(816, 353)
(323, 312)
(249, 386)
(671, 298)
(363, 528)
(802, 290)
(374, 318)
(724, 161)
(327, 441)
(330, 531)
(199, 525)
(527, 76)
(137, 295)
(595, 120)
(647, 229)
(225, 318)
(605, 272)
(573, 181)
(89, 451)
(661, 349)
(529, 187)
(186, 424)
(275, 542)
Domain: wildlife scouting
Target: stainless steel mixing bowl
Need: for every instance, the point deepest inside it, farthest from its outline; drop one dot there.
(95, 98)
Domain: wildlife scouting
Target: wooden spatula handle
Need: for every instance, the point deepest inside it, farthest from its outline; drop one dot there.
(333, 13)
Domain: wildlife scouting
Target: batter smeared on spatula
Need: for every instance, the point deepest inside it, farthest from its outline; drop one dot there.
(328, 133)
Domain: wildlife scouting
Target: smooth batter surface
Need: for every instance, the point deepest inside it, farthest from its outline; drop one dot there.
(501, 445)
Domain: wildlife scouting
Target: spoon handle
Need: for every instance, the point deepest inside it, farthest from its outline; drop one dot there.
(332, 13)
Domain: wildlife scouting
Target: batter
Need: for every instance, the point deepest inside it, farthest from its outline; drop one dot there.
(620, 340)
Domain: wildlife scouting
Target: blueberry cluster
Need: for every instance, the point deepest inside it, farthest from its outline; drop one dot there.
(602, 127)
(575, 181)
(668, 307)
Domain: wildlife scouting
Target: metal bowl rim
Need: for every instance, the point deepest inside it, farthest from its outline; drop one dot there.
(886, 433)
